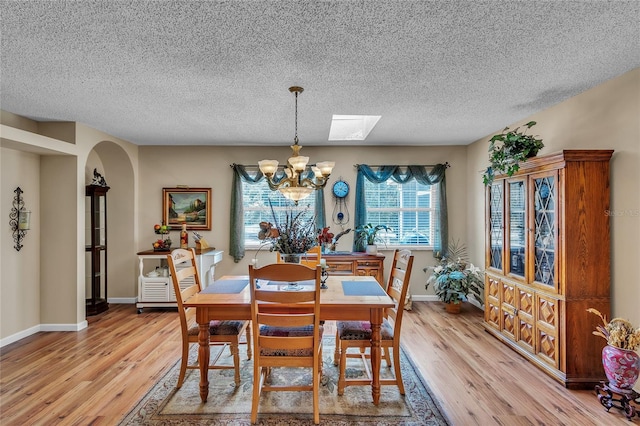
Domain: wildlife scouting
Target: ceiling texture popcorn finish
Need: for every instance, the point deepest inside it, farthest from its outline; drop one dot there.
(213, 72)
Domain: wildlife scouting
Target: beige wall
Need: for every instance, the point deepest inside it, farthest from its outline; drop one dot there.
(606, 117)
(44, 284)
(209, 167)
(42, 287)
(19, 270)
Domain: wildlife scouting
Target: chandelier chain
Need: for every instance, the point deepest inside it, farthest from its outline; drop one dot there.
(295, 137)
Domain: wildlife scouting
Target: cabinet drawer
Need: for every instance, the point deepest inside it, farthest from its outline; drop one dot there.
(525, 302)
(367, 263)
(509, 294)
(547, 311)
(154, 290)
(367, 272)
(526, 336)
(492, 313)
(547, 344)
(509, 325)
(340, 268)
(492, 287)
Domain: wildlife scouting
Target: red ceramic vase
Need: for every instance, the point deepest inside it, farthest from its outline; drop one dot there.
(622, 367)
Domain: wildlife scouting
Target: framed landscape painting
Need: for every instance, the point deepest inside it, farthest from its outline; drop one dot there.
(187, 205)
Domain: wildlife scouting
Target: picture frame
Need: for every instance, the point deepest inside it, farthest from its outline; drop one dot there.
(187, 205)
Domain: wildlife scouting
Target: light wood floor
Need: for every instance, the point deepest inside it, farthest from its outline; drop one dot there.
(95, 376)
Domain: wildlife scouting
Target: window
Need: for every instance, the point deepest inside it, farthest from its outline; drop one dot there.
(256, 198)
(408, 209)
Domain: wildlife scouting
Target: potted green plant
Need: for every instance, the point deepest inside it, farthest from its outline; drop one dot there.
(510, 148)
(366, 237)
(454, 277)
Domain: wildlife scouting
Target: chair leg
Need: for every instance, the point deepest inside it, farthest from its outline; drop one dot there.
(396, 365)
(248, 333)
(235, 351)
(343, 364)
(257, 383)
(183, 363)
(336, 353)
(385, 353)
(316, 391)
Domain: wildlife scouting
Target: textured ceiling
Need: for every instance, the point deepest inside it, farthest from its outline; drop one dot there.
(217, 72)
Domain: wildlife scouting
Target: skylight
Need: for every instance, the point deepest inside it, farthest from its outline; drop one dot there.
(352, 127)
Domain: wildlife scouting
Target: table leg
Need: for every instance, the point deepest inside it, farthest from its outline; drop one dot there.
(203, 359)
(376, 321)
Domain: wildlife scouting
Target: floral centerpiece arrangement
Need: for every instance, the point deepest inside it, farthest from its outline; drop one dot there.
(328, 240)
(618, 332)
(293, 235)
(454, 277)
(620, 361)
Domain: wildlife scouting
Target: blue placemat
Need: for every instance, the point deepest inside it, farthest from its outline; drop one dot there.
(226, 286)
(307, 282)
(362, 288)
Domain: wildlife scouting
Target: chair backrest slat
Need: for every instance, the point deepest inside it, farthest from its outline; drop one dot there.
(182, 265)
(398, 285)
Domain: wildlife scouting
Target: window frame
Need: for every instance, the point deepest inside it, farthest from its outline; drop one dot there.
(432, 209)
(281, 204)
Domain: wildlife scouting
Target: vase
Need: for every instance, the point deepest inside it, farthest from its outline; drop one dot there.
(453, 308)
(622, 367)
(290, 257)
(372, 249)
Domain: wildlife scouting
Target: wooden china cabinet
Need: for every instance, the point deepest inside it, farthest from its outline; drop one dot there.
(548, 260)
(96, 249)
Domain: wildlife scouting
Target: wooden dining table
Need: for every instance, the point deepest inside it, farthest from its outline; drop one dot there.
(347, 298)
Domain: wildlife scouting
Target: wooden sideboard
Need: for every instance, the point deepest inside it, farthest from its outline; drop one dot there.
(361, 264)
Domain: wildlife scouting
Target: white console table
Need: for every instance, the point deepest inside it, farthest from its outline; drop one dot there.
(158, 291)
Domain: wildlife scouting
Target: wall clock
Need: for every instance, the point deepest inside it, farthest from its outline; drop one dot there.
(340, 191)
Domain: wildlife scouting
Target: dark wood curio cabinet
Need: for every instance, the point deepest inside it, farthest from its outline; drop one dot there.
(96, 249)
(548, 260)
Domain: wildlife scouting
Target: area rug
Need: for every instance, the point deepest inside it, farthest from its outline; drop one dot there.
(231, 405)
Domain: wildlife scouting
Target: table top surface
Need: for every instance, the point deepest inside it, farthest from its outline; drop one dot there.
(333, 296)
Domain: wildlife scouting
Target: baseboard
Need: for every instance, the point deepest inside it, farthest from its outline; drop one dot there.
(434, 298)
(42, 327)
(122, 300)
(424, 298)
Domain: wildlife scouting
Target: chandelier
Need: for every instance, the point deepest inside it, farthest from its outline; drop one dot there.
(294, 186)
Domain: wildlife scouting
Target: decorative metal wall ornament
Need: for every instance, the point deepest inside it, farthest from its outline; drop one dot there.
(19, 219)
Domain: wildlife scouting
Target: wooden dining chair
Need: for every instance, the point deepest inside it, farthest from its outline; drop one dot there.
(311, 258)
(357, 334)
(186, 282)
(289, 335)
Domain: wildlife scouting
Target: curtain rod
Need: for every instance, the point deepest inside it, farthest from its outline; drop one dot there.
(446, 164)
(255, 166)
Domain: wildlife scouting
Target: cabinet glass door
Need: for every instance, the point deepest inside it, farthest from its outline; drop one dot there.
(517, 227)
(496, 224)
(545, 229)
